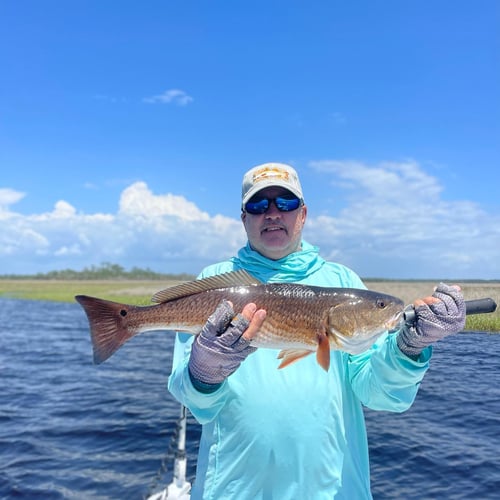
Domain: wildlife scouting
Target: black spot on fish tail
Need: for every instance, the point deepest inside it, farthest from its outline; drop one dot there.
(107, 322)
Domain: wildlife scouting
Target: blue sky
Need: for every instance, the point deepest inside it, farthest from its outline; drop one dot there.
(126, 127)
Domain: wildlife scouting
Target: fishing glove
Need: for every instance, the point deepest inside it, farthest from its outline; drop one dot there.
(433, 322)
(219, 348)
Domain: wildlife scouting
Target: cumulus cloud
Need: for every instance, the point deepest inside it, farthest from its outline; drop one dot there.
(396, 223)
(138, 200)
(172, 96)
(165, 232)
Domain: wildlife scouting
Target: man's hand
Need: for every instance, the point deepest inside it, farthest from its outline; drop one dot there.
(437, 316)
(223, 343)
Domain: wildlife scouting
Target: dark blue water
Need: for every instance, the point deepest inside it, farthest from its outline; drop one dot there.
(70, 429)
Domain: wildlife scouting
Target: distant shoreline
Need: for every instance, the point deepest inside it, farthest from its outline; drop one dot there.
(406, 289)
(139, 292)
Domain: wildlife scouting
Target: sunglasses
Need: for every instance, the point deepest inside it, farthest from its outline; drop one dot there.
(283, 204)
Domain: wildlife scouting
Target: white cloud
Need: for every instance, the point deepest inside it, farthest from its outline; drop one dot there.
(395, 223)
(9, 197)
(165, 232)
(64, 210)
(172, 96)
(138, 200)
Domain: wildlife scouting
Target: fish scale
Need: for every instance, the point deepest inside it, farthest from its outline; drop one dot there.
(300, 319)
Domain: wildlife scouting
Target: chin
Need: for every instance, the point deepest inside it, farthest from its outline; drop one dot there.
(275, 253)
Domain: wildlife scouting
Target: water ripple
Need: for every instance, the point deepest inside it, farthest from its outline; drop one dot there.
(72, 430)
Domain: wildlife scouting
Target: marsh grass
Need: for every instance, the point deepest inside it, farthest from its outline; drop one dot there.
(139, 292)
(408, 291)
(129, 291)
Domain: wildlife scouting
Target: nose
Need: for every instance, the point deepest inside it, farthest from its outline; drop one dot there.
(272, 210)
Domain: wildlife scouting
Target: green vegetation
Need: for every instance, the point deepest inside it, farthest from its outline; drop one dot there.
(483, 322)
(109, 281)
(112, 282)
(132, 292)
(105, 271)
(409, 290)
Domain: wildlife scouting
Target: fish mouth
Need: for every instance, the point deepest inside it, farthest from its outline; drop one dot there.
(394, 324)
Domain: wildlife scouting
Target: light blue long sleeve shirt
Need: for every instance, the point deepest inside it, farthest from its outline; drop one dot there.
(298, 432)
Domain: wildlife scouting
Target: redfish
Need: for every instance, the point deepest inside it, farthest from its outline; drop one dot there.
(300, 320)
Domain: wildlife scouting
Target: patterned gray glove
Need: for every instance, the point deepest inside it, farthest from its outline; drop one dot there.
(434, 321)
(219, 348)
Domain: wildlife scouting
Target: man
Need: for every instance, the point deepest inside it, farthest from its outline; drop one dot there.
(297, 432)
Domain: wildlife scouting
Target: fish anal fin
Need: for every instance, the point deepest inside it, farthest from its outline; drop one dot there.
(290, 356)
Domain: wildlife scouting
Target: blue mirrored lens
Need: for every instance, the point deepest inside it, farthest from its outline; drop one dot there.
(283, 204)
(287, 204)
(257, 207)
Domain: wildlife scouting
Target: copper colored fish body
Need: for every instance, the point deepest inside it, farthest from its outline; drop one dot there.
(300, 320)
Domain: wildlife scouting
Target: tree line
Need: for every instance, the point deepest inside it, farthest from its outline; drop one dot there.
(103, 271)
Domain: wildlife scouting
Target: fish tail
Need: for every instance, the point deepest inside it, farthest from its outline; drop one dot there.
(108, 325)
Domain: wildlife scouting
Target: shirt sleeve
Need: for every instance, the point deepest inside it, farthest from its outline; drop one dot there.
(203, 406)
(383, 378)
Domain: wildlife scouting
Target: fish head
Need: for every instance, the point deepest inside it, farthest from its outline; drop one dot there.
(359, 317)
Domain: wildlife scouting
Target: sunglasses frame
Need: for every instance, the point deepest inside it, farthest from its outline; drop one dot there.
(281, 202)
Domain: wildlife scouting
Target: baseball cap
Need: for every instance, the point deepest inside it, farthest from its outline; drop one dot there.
(270, 174)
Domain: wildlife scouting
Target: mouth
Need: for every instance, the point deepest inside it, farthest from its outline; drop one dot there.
(271, 229)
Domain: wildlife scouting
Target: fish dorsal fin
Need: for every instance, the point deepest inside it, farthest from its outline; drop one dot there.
(226, 280)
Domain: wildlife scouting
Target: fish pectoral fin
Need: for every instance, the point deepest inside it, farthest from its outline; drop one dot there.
(289, 356)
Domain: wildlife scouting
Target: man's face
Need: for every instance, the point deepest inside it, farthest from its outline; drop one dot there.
(274, 234)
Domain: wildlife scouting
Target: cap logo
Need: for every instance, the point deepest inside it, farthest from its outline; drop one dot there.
(270, 173)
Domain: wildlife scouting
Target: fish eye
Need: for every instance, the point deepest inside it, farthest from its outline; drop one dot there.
(381, 303)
